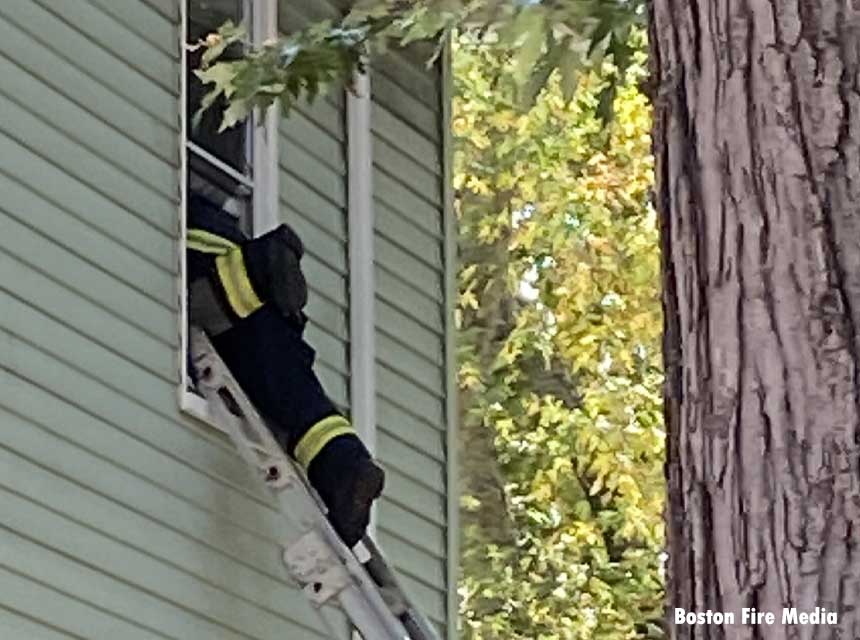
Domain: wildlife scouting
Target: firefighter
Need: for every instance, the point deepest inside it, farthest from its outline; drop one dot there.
(248, 296)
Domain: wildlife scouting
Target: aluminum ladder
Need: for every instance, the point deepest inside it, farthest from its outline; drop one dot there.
(359, 579)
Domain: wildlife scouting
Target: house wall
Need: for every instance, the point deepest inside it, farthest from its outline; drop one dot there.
(409, 257)
(123, 517)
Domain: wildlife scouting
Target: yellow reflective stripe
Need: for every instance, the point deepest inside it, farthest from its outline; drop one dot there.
(204, 238)
(205, 248)
(318, 436)
(237, 285)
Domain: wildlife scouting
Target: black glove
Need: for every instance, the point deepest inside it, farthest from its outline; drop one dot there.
(273, 265)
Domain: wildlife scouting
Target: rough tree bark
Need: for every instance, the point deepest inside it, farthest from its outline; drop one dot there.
(758, 191)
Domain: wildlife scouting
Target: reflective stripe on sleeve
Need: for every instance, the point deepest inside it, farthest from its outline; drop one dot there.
(237, 285)
(318, 436)
(206, 242)
(205, 248)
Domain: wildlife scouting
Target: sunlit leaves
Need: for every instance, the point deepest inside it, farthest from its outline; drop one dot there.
(559, 354)
(535, 37)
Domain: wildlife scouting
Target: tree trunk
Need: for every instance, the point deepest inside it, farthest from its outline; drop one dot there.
(757, 127)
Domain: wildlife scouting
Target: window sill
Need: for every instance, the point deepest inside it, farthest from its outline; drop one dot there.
(193, 405)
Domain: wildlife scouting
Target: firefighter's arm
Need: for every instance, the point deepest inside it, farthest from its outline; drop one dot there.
(264, 270)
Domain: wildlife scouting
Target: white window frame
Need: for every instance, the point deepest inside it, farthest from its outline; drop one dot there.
(261, 20)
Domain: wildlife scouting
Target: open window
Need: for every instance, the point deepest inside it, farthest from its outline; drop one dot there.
(235, 169)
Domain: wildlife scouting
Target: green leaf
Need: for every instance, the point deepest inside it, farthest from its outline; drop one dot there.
(570, 67)
(539, 77)
(222, 75)
(605, 103)
(236, 112)
(530, 25)
(598, 36)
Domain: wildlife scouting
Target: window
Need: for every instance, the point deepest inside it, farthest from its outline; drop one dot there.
(235, 169)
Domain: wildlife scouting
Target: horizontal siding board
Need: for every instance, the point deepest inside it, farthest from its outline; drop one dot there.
(414, 497)
(152, 482)
(168, 8)
(405, 362)
(36, 216)
(412, 79)
(15, 625)
(228, 507)
(421, 276)
(85, 317)
(422, 308)
(401, 326)
(115, 111)
(102, 402)
(329, 349)
(147, 536)
(325, 114)
(432, 600)
(100, 364)
(409, 459)
(327, 248)
(402, 104)
(298, 196)
(406, 202)
(144, 573)
(83, 202)
(154, 318)
(146, 22)
(405, 393)
(78, 561)
(150, 61)
(428, 568)
(398, 230)
(427, 538)
(300, 134)
(325, 280)
(335, 384)
(44, 389)
(327, 182)
(70, 346)
(78, 51)
(40, 600)
(211, 530)
(415, 176)
(402, 133)
(78, 124)
(327, 315)
(157, 207)
(399, 424)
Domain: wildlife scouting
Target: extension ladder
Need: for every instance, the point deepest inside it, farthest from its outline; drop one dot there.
(359, 579)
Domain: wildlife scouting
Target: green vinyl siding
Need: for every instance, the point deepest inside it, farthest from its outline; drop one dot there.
(409, 255)
(123, 516)
(313, 198)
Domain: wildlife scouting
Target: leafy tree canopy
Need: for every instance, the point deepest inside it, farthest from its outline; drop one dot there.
(538, 36)
(559, 318)
(559, 348)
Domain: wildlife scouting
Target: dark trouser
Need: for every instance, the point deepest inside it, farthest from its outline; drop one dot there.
(274, 366)
(269, 358)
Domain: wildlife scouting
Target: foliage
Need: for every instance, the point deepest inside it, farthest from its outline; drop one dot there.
(560, 370)
(537, 36)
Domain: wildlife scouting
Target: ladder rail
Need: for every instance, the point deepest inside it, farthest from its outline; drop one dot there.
(358, 595)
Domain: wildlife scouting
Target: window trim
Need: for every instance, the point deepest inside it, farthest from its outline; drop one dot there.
(362, 285)
(263, 24)
(451, 387)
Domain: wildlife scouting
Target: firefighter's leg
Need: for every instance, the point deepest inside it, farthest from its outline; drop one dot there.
(274, 365)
